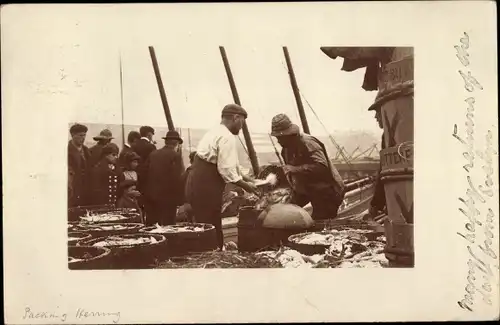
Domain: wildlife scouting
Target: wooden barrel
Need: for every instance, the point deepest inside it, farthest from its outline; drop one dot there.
(88, 257)
(395, 102)
(137, 256)
(186, 242)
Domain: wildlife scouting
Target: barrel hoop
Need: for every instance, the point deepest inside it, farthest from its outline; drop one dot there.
(396, 178)
(404, 90)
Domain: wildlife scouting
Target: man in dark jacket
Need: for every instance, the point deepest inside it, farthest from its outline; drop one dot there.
(164, 189)
(132, 138)
(144, 146)
(106, 177)
(312, 176)
(78, 166)
(104, 137)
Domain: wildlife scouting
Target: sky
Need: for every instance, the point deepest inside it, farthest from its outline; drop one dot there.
(82, 62)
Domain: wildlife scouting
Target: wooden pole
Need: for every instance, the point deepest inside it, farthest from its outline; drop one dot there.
(161, 89)
(296, 92)
(246, 134)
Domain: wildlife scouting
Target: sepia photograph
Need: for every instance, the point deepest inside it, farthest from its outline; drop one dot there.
(304, 194)
(250, 162)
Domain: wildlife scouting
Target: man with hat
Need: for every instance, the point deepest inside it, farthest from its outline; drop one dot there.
(78, 166)
(104, 137)
(216, 164)
(312, 176)
(163, 188)
(105, 177)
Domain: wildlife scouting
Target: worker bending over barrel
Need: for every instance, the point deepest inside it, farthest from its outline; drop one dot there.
(215, 164)
(312, 176)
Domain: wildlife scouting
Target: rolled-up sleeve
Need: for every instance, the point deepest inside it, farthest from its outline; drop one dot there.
(227, 160)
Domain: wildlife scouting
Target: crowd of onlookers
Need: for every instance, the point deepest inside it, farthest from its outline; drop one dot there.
(140, 176)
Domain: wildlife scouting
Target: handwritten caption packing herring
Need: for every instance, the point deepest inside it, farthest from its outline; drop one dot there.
(479, 227)
(79, 315)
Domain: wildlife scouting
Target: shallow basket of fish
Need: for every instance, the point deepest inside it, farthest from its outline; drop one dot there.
(184, 238)
(319, 242)
(367, 230)
(75, 237)
(108, 229)
(109, 217)
(88, 257)
(72, 225)
(129, 250)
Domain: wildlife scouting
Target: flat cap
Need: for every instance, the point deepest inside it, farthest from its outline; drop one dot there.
(78, 128)
(234, 109)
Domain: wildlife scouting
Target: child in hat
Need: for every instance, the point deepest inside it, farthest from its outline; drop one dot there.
(132, 160)
(128, 195)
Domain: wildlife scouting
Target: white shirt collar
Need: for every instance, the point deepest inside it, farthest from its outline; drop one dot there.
(127, 145)
(146, 139)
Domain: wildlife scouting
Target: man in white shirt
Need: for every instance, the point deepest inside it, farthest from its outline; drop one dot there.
(216, 164)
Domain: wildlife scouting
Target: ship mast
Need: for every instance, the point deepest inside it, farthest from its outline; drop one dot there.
(296, 93)
(161, 89)
(246, 134)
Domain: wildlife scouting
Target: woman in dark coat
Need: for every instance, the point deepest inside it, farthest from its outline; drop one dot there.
(105, 177)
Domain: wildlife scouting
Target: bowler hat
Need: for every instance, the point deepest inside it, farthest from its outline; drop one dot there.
(282, 125)
(104, 135)
(173, 135)
(230, 109)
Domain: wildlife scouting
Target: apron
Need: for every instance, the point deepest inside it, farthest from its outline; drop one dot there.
(204, 188)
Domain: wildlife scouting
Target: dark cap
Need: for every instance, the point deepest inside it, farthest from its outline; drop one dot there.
(77, 128)
(132, 156)
(133, 135)
(232, 109)
(110, 148)
(281, 125)
(144, 130)
(104, 135)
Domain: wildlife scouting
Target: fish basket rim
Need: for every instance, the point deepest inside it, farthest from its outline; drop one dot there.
(147, 229)
(105, 252)
(128, 217)
(92, 241)
(89, 226)
(86, 236)
(322, 232)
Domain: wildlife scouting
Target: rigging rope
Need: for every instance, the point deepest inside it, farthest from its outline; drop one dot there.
(339, 149)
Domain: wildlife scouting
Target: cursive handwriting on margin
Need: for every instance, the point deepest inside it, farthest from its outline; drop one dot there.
(79, 314)
(479, 225)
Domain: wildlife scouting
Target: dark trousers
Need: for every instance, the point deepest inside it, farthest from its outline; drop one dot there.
(325, 202)
(204, 187)
(162, 213)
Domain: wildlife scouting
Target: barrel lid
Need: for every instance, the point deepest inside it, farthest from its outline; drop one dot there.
(285, 216)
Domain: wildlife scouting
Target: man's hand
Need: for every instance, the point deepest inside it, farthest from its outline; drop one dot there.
(252, 188)
(289, 169)
(247, 178)
(248, 186)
